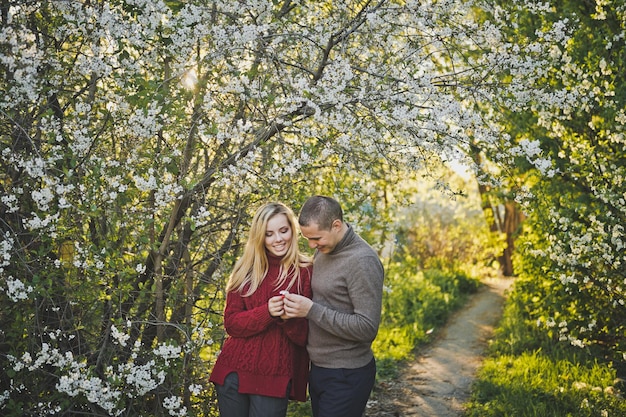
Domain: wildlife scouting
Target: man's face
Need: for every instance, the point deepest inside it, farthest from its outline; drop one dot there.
(322, 240)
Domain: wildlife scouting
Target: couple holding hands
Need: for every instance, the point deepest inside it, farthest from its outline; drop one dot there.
(294, 321)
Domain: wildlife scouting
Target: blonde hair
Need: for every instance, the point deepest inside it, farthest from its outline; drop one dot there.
(251, 268)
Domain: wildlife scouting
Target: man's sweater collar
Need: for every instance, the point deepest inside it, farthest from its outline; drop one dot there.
(346, 240)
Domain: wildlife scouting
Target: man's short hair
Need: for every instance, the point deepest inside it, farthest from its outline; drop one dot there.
(320, 210)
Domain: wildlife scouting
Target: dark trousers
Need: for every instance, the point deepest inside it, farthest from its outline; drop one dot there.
(341, 392)
(233, 404)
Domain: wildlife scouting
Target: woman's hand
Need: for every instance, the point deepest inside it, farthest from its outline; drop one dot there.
(275, 306)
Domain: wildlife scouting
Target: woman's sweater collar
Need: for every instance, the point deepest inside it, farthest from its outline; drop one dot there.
(273, 259)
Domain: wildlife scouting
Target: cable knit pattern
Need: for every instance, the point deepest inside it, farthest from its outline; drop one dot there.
(266, 352)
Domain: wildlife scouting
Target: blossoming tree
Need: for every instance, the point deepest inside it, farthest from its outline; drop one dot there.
(572, 254)
(137, 135)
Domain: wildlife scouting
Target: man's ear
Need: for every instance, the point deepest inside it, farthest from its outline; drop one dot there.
(336, 225)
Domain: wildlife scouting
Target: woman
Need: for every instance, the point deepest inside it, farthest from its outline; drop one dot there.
(263, 362)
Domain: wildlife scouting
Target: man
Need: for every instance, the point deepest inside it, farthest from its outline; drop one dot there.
(344, 313)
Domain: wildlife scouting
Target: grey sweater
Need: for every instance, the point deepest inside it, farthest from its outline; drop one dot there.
(347, 298)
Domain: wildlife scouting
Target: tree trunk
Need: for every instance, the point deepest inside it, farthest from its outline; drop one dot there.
(513, 218)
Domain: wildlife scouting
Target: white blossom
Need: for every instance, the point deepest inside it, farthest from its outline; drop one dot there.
(119, 337)
(16, 289)
(175, 407)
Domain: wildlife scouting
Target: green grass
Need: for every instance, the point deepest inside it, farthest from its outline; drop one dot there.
(415, 304)
(528, 374)
(534, 384)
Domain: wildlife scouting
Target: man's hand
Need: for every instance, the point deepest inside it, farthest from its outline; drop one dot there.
(296, 305)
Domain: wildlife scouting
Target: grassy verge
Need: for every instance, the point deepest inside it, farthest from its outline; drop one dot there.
(528, 374)
(415, 306)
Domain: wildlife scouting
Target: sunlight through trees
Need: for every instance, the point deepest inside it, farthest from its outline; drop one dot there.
(137, 135)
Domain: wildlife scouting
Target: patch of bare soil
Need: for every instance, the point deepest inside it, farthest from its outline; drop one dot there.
(438, 381)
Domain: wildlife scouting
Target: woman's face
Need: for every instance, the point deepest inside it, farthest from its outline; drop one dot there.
(278, 235)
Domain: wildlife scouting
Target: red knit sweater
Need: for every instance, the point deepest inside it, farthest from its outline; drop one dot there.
(266, 352)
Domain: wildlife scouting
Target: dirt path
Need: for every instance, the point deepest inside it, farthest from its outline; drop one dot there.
(437, 382)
